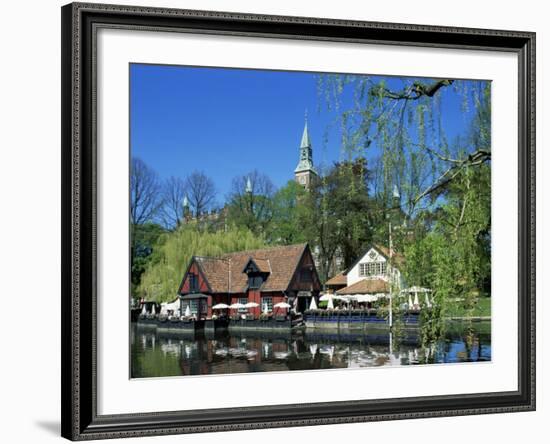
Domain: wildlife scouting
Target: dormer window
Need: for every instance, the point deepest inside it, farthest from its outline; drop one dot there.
(255, 281)
(367, 269)
(257, 272)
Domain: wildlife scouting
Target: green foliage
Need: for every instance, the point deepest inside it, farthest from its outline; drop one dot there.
(163, 275)
(289, 213)
(337, 219)
(145, 238)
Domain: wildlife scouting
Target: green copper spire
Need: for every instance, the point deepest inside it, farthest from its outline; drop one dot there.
(306, 152)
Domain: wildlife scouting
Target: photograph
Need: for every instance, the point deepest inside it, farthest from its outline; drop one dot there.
(288, 220)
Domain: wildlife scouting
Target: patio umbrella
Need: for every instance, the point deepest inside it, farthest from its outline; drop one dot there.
(313, 349)
(153, 310)
(330, 305)
(265, 309)
(237, 305)
(187, 311)
(325, 297)
(220, 306)
(416, 298)
(251, 305)
(410, 301)
(282, 305)
(144, 310)
(313, 304)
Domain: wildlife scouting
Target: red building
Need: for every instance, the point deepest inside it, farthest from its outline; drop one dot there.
(266, 277)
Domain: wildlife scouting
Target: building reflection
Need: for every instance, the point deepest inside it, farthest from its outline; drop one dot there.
(199, 354)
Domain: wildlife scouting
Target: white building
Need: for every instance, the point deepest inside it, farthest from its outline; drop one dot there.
(374, 272)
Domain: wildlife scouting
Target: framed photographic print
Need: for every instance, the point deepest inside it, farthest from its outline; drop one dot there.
(279, 221)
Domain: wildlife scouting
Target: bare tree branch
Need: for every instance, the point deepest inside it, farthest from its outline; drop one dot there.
(201, 192)
(145, 188)
(173, 192)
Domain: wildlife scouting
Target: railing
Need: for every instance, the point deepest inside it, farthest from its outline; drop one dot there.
(354, 316)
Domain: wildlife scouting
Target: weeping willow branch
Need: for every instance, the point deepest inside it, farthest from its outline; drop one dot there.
(476, 158)
(414, 92)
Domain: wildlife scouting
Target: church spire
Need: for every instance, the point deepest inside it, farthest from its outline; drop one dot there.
(305, 170)
(305, 136)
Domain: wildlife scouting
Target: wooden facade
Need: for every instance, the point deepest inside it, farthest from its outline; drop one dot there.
(266, 277)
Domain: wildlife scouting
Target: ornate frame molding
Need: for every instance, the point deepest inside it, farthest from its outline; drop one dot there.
(80, 22)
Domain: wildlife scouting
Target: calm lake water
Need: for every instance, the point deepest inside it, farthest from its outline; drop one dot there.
(165, 354)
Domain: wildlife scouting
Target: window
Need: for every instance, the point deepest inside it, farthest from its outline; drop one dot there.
(193, 306)
(372, 269)
(255, 281)
(243, 301)
(306, 275)
(193, 283)
(266, 300)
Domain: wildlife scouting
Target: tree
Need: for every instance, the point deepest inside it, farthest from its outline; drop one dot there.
(174, 250)
(289, 212)
(201, 192)
(145, 200)
(400, 122)
(340, 217)
(250, 201)
(173, 194)
(146, 238)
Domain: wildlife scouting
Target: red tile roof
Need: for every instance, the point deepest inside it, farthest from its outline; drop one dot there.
(339, 279)
(225, 273)
(365, 286)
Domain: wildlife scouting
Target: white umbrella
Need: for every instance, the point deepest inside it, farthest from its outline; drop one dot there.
(282, 305)
(428, 303)
(330, 305)
(187, 311)
(237, 305)
(313, 349)
(313, 304)
(325, 297)
(251, 305)
(153, 310)
(265, 310)
(416, 298)
(220, 306)
(144, 310)
(366, 298)
(410, 301)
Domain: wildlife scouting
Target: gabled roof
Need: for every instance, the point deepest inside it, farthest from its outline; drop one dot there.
(225, 273)
(366, 286)
(397, 258)
(262, 265)
(339, 279)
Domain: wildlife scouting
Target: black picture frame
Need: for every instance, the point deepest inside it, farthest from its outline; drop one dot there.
(79, 396)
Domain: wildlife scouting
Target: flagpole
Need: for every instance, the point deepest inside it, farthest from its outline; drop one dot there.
(389, 278)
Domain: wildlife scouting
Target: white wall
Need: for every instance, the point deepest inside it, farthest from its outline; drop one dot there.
(30, 218)
(353, 275)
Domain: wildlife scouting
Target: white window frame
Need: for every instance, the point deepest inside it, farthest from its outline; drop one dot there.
(370, 269)
(269, 300)
(242, 301)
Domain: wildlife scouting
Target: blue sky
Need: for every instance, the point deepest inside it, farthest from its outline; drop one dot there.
(227, 122)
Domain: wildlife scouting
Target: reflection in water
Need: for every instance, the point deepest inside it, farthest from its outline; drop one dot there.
(164, 354)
